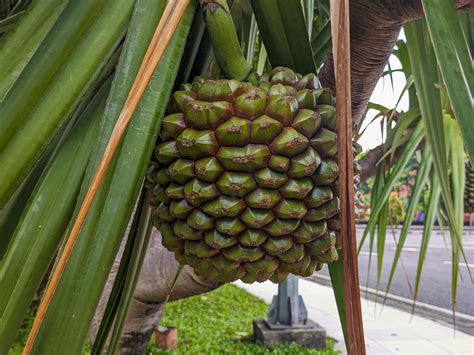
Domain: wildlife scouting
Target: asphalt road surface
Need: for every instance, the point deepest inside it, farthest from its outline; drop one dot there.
(435, 285)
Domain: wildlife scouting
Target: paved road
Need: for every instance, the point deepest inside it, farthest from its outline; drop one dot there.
(435, 285)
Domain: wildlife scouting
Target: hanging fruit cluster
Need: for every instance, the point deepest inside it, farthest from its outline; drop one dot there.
(244, 183)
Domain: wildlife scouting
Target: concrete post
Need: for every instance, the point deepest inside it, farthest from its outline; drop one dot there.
(288, 321)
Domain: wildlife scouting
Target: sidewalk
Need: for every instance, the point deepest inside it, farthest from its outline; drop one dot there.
(389, 332)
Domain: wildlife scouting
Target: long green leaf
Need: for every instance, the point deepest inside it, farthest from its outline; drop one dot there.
(81, 286)
(48, 212)
(430, 215)
(337, 282)
(53, 52)
(282, 27)
(421, 181)
(455, 63)
(141, 239)
(322, 43)
(109, 315)
(458, 185)
(427, 82)
(17, 47)
(381, 237)
(54, 105)
(395, 174)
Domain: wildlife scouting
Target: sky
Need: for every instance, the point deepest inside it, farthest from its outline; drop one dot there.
(387, 96)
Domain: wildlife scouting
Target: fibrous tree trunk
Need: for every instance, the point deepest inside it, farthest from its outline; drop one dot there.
(375, 27)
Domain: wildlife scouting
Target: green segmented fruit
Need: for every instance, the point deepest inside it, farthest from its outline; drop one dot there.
(224, 206)
(205, 115)
(236, 184)
(184, 231)
(221, 263)
(326, 173)
(265, 265)
(328, 116)
(263, 198)
(242, 253)
(181, 171)
(290, 209)
(279, 163)
(172, 126)
(157, 195)
(305, 164)
(162, 212)
(325, 142)
(248, 158)
(218, 240)
(208, 274)
(281, 226)
(306, 232)
(249, 278)
(281, 90)
(174, 192)
(282, 107)
(200, 221)
(180, 257)
(278, 277)
(327, 256)
(270, 179)
(230, 226)
(307, 122)
(313, 266)
(180, 209)
(307, 99)
(297, 267)
(211, 90)
(289, 142)
(197, 191)
(334, 223)
(321, 244)
(168, 236)
(250, 104)
(235, 132)
(277, 245)
(193, 144)
(297, 188)
(199, 248)
(319, 196)
(255, 218)
(162, 177)
(244, 178)
(197, 262)
(208, 169)
(151, 173)
(265, 129)
(325, 211)
(252, 237)
(231, 276)
(293, 255)
(167, 152)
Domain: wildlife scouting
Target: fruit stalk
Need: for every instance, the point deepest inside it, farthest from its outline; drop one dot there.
(224, 39)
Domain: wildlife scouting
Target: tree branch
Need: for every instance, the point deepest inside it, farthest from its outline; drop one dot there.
(375, 26)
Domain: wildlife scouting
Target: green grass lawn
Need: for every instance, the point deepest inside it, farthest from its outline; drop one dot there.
(220, 322)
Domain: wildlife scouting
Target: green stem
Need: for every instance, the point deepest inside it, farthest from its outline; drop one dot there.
(224, 39)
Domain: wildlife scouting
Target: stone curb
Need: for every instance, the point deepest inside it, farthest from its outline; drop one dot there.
(464, 322)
